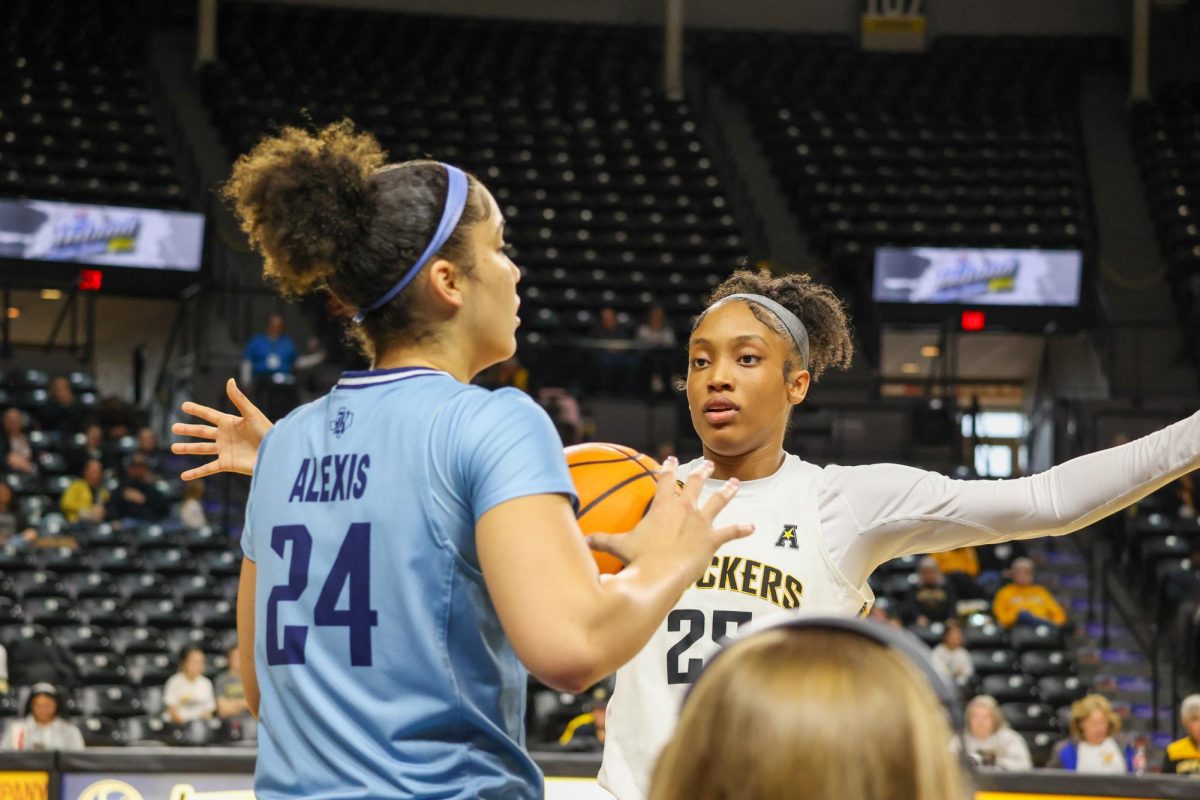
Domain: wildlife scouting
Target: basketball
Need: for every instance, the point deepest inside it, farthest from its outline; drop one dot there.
(616, 485)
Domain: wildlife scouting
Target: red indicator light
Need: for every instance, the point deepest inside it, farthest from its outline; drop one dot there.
(90, 280)
(973, 321)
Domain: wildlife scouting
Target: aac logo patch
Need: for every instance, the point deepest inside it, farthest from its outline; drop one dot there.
(788, 538)
(341, 423)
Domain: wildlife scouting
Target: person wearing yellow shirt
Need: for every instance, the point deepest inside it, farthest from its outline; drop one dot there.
(964, 560)
(1183, 756)
(85, 498)
(1024, 602)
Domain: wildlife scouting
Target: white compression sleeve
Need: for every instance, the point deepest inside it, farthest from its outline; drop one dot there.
(871, 514)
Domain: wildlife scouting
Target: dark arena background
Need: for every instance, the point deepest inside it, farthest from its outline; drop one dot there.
(1007, 194)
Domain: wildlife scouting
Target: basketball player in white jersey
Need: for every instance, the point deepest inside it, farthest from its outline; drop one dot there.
(820, 532)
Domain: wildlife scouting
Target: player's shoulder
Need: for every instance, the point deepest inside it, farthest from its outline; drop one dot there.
(493, 406)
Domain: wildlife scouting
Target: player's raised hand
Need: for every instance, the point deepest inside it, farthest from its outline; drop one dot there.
(676, 526)
(234, 440)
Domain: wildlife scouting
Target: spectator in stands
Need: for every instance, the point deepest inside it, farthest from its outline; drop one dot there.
(952, 655)
(931, 599)
(231, 694)
(268, 368)
(616, 365)
(586, 731)
(3, 670)
(189, 694)
(11, 524)
(15, 449)
(961, 568)
(1185, 497)
(507, 374)
(63, 413)
(784, 709)
(659, 360)
(42, 728)
(1183, 755)
(86, 498)
(988, 739)
(191, 510)
(1093, 746)
(137, 497)
(1024, 602)
(154, 455)
(883, 612)
(92, 447)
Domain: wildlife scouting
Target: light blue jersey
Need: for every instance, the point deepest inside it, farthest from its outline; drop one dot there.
(383, 668)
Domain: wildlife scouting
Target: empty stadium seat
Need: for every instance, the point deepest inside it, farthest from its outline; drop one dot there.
(1040, 663)
(1038, 637)
(994, 662)
(1015, 688)
(1060, 690)
(1031, 717)
(113, 701)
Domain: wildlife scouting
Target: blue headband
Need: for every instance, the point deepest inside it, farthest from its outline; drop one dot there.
(456, 200)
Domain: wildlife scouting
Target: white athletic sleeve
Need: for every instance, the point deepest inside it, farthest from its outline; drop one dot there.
(871, 514)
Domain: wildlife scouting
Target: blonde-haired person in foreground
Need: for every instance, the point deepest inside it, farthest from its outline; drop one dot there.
(799, 713)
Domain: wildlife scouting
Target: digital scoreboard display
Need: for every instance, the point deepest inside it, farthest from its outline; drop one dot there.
(978, 277)
(105, 236)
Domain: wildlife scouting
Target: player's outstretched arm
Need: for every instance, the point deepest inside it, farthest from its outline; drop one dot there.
(570, 626)
(233, 439)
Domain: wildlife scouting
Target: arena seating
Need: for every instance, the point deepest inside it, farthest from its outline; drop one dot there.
(608, 191)
(1167, 140)
(77, 117)
(1031, 672)
(975, 143)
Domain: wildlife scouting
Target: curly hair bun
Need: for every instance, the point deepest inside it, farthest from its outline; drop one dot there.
(823, 313)
(306, 200)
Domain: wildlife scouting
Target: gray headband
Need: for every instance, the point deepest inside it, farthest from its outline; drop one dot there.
(790, 321)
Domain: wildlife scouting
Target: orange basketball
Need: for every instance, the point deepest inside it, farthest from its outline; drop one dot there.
(615, 485)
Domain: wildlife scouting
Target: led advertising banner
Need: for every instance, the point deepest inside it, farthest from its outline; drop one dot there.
(157, 786)
(107, 236)
(978, 277)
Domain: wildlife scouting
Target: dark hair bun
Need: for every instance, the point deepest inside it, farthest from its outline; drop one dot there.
(306, 200)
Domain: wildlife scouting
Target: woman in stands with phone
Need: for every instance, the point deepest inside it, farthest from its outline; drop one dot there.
(409, 536)
(820, 531)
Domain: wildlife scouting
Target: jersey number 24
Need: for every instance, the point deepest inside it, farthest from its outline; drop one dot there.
(352, 566)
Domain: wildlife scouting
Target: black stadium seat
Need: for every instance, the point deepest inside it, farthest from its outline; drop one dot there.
(994, 662)
(1031, 717)
(114, 701)
(1039, 637)
(1040, 663)
(102, 732)
(1058, 690)
(1013, 688)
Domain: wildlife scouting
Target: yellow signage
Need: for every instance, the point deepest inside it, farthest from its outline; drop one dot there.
(24, 786)
(1012, 796)
(912, 25)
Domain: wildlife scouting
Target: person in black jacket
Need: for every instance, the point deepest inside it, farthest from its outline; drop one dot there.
(137, 497)
(931, 599)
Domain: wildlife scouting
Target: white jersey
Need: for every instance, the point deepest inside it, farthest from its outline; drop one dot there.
(783, 565)
(819, 534)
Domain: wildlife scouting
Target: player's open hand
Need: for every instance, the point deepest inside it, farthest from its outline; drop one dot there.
(234, 440)
(676, 526)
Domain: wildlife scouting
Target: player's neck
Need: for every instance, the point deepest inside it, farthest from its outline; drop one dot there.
(434, 356)
(762, 462)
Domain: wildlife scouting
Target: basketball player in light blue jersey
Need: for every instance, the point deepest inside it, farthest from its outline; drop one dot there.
(410, 539)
